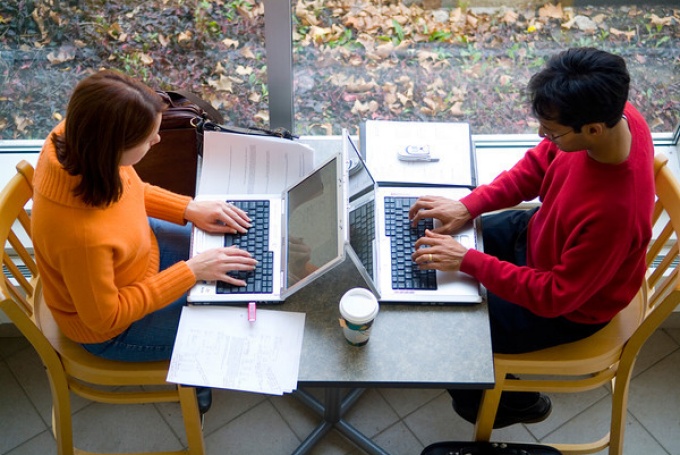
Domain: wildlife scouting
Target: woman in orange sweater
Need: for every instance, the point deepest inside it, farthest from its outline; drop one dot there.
(113, 251)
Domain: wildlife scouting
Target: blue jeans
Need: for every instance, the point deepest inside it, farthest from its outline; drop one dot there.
(152, 337)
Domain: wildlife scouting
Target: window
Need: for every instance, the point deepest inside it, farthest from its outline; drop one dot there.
(352, 59)
(390, 60)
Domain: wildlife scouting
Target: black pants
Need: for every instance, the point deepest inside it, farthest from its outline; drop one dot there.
(515, 329)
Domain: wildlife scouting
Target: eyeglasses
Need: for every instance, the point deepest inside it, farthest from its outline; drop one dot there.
(552, 137)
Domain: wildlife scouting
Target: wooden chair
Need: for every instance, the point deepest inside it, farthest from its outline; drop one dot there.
(69, 367)
(608, 355)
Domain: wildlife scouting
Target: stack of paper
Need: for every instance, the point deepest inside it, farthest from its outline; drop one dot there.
(218, 347)
(245, 164)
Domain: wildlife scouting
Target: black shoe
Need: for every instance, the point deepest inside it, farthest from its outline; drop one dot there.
(509, 411)
(204, 398)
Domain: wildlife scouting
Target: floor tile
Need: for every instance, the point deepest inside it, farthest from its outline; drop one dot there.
(399, 440)
(593, 423)
(122, 428)
(565, 407)
(655, 402)
(259, 431)
(371, 414)
(28, 369)
(658, 346)
(227, 405)
(402, 421)
(297, 415)
(42, 444)
(19, 419)
(674, 333)
(405, 401)
(11, 345)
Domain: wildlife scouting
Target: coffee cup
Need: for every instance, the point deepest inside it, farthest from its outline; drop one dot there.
(358, 308)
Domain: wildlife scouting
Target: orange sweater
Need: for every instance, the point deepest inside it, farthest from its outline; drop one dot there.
(100, 265)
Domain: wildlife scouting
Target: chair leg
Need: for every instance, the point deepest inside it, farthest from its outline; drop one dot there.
(62, 423)
(192, 420)
(618, 417)
(487, 412)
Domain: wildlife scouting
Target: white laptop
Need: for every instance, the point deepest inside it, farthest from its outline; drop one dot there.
(306, 238)
(394, 280)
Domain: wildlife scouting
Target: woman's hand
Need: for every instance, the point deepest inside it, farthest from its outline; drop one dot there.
(217, 217)
(438, 252)
(213, 265)
(452, 214)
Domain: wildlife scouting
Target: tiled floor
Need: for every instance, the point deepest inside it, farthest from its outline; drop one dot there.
(402, 421)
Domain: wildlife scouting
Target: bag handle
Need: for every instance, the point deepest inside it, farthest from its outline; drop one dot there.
(200, 102)
(253, 130)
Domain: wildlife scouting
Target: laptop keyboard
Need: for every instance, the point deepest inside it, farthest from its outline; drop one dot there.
(405, 272)
(362, 233)
(256, 242)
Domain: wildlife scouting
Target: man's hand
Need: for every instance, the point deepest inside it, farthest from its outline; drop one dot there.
(452, 214)
(217, 217)
(438, 252)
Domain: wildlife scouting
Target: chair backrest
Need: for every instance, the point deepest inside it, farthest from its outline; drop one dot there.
(662, 283)
(20, 271)
(21, 283)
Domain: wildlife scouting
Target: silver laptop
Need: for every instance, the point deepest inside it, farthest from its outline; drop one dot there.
(384, 248)
(305, 230)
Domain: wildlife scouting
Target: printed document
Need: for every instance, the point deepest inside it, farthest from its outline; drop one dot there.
(216, 346)
(247, 164)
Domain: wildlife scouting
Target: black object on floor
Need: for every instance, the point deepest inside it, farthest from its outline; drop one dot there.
(204, 398)
(487, 448)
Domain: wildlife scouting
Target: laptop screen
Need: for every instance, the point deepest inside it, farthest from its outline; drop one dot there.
(313, 222)
(362, 233)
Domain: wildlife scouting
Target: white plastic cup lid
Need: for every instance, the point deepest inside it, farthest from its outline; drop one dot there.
(358, 306)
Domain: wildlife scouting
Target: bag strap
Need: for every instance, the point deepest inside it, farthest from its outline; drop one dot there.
(252, 130)
(200, 102)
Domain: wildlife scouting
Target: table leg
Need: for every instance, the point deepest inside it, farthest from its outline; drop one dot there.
(332, 411)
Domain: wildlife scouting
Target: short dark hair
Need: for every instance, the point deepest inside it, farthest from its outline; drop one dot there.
(580, 86)
(107, 114)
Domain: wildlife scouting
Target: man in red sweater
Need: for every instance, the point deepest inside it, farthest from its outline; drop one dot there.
(558, 273)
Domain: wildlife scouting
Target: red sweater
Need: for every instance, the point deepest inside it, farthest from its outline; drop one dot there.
(587, 242)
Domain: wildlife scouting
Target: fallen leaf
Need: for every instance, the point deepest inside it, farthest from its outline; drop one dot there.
(184, 36)
(456, 110)
(163, 40)
(262, 116)
(146, 59)
(22, 123)
(505, 79)
(247, 53)
(616, 32)
(243, 71)
(656, 123)
(114, 30)
(510, 17)
(223, 84)
(230, 43)
(61, 55)
(551, 11)
(360, 108)
(656, 20)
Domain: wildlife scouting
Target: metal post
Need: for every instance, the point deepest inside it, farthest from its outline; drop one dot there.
(278, 34)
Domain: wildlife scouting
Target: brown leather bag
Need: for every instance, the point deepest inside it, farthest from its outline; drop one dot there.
(173, 162)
